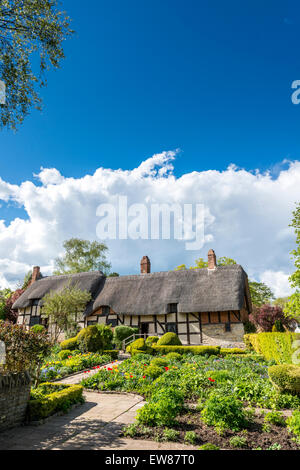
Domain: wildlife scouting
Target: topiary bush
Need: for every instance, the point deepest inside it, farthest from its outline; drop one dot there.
(153, 371)
(159, 361)
(69, 344)
(151, 340)
(285, 377)
(173, 356)
(196, 350)
(169, 339)
(37, 328)
(122, 332)
(95, 338)
(64, 354)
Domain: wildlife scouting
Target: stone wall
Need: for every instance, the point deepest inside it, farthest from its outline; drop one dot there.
(14, 397)
(215, 335)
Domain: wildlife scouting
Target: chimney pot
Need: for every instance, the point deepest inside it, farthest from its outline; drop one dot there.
(212, 260)
(36, 274)
(145, 265)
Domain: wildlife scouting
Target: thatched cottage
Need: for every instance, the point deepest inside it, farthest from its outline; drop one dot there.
(203, 306)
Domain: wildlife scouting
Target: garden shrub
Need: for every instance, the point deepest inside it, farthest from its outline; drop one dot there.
(51, 398)
(159, 361)
(277, 346)
(224, 411)
(122, 332)
(173, 356)
(293, 423)
(196, 350)
(153, 371)
(37, 328)
(69, 344)
(151, 340)
(285, 377)
(226, 351)
(249, 327)
(190, 437)
(64, 354)
(95, 338)
(278, 327)
(169, 339)
(238, 441)
(275, 417)
(113, 353)
(209, 446)
(162, 410)
(139, 345)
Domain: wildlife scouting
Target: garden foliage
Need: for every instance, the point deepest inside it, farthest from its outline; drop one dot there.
(273, 346)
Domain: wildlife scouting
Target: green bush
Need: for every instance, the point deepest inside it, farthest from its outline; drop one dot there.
(293, 423)
(153, 371)
(238, 441)
(64, 354)
(139, 345)
(37, 328)
(151, 340)
(169, 339)
(159, 361)
(173, 356)
(196, 350)
(170, 435)
(224, 411)
(249, 327)
(285, 377)
(122, 332)
(278, 327)
(69, 344)
(275, 417)
(95, 338)
(113, 353)
(277, 346)
(226, 351)
(162, 410)
(209, 446)
(60, 398)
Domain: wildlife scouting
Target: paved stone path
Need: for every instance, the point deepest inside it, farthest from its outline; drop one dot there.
(95, 425)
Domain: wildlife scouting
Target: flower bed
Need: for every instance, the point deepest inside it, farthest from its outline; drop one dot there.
(49, 398)
(56, 367)
(221, 390)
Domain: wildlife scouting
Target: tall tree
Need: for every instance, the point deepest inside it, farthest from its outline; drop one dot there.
(261, 294)
(64, 309)
(81, 256)
(292, 308)
(200, 263)
(31, 32)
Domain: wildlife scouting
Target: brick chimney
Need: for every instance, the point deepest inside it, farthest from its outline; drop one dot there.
(145, 265)
(212, 260)
(36, 274)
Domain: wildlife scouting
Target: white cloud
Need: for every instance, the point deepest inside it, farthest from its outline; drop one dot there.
(279, 282)
(247, 217)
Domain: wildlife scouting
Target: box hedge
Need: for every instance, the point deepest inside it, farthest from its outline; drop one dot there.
(197, 350)
(226, 351)
(277, 346)
(61, 399)
(285, 377)
(69, 344)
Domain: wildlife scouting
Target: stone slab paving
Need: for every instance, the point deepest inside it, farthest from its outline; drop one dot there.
(95, 425)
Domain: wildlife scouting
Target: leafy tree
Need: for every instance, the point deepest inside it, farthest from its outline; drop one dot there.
(31, 32)
(224, 261)
(281, 301)
(81, 256)
(4, 295)
(114, 275)
(200, 263)
(261, 294)
(64, 308)
(11, 314)
(292, 308)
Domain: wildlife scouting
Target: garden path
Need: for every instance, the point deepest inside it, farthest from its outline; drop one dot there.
(95, 425)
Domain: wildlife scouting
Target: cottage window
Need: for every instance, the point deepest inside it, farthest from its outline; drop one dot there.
(35, 302)
(227, 327)
(105, 310)
(171, 328)
(113, 322)
(34, 321)
(172, 308)
(91, 322)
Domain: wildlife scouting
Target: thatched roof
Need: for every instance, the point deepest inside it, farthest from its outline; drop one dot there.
(199, 290)
(194, 290)
(91, 281)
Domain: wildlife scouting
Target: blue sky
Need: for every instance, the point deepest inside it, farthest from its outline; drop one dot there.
(212, 79)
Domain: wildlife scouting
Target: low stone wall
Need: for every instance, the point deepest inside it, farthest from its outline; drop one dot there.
(14, 397)
(215, 335)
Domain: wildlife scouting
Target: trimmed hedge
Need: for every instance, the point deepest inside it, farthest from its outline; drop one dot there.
(277, 346)
(169, 339)
(226, 351)
(69, 344)
(151, 339)
(285, 377)
(197, 350)
(56, 401)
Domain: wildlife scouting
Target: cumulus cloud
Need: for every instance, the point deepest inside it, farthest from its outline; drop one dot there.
(247, 216)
